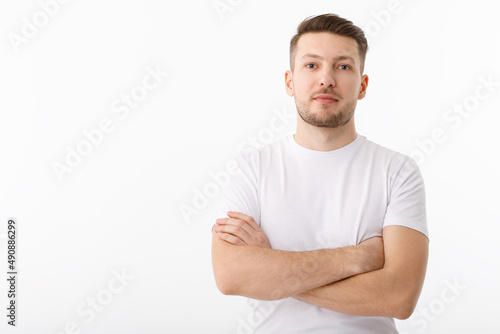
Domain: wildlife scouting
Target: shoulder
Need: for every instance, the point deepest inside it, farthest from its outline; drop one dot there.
(392, 161)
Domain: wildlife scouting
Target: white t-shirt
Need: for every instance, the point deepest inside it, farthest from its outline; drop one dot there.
(305, 200)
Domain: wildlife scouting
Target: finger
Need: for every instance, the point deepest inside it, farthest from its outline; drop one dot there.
(249, 219)
(237, 231)
(231, 239)
(236, 222)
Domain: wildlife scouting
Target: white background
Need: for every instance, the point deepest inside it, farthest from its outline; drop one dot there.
(119, 208)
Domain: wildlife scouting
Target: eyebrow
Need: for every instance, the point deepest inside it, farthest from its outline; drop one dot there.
(341, 57)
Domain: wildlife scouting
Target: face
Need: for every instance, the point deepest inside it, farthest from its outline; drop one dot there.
(326, 81)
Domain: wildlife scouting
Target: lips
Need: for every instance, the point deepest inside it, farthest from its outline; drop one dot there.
(325, 98)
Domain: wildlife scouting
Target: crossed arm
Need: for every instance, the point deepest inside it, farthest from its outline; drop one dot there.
(374, 278)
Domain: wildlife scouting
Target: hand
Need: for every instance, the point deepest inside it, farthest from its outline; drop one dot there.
(372, 254)
(240, 230)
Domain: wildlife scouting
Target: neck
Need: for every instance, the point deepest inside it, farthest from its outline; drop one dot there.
(324, 139)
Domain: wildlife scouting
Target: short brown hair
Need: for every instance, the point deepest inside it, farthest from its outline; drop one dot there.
(334, 24)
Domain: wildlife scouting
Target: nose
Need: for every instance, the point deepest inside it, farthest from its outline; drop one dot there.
(326, 78)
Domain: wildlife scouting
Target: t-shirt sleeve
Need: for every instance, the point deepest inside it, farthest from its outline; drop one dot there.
(241, 193)
(407, 199)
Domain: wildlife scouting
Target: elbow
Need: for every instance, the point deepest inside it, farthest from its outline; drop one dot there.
(404, 307)
(228, 279)
(225, 286)
(225, 289)
(403, 298)
(234, 276)
(223, 259)
(403, 313)
(223, 280)
(230, 287)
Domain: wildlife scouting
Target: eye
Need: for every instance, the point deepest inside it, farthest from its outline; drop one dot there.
(344, 67)
(310, 66)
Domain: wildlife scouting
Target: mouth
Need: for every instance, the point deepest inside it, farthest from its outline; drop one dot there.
(325, 99)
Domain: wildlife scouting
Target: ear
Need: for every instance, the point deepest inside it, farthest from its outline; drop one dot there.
(364, 85)
(289, 82)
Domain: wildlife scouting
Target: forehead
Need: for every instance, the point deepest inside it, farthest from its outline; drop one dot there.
(327, 45)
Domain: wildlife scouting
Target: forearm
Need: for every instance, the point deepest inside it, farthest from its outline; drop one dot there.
(269, 274)
(392, 291)
(376, 293)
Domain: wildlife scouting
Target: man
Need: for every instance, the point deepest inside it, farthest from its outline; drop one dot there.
(326, 221)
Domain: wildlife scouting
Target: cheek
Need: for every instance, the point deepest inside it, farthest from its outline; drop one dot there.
(352, 87)
(302, 87)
